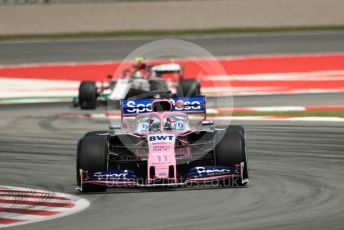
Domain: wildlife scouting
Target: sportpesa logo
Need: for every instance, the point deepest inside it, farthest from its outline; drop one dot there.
(132, 107)
(144, 106)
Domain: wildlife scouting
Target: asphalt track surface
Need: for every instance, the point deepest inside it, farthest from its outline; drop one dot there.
(296, 168)
(98, 49)
(296, 173)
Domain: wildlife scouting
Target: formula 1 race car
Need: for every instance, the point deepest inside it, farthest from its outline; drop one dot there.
(135, 83)
(155, 146)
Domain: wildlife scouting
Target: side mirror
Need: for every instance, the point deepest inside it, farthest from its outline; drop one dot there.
(109, 76)
(207, 123)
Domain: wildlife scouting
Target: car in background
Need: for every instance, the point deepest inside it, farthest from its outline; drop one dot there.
(137, 83)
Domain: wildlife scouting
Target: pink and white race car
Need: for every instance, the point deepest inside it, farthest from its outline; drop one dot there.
(156, 145)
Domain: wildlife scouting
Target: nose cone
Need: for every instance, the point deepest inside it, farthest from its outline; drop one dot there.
(161, 156)
(161, 163)
(161, 172)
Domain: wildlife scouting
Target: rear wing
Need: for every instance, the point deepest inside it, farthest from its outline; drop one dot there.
(158, 70)
(191, 105)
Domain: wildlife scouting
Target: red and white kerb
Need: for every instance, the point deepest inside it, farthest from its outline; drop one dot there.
(23, 205)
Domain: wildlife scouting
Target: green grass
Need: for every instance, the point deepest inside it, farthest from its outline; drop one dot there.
(159, 33)
(328, 113)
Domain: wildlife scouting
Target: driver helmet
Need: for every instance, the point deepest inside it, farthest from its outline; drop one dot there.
(154, 125)
(139, 66)
(168, 125)
(139, 59)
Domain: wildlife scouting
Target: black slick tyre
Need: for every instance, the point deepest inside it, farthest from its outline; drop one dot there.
(88, 95)
(92, 156)
(231, 151)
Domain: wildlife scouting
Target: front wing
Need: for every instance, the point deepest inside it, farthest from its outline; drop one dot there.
(196, 175)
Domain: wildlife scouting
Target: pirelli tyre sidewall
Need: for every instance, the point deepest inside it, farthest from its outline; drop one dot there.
(188, 88)
(92, 155)
(88, 95)
(230, 149)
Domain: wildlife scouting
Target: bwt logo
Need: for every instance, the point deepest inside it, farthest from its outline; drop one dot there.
(161, 138)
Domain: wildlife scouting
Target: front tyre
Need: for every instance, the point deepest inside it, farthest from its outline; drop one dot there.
(231, 151)
(88, 95)
(92, 156)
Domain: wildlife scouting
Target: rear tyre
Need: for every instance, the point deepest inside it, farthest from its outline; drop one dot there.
(88, 95)
(231, 151)
(135, 94)
(158, 85)
(189, 88)
(92, 156)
